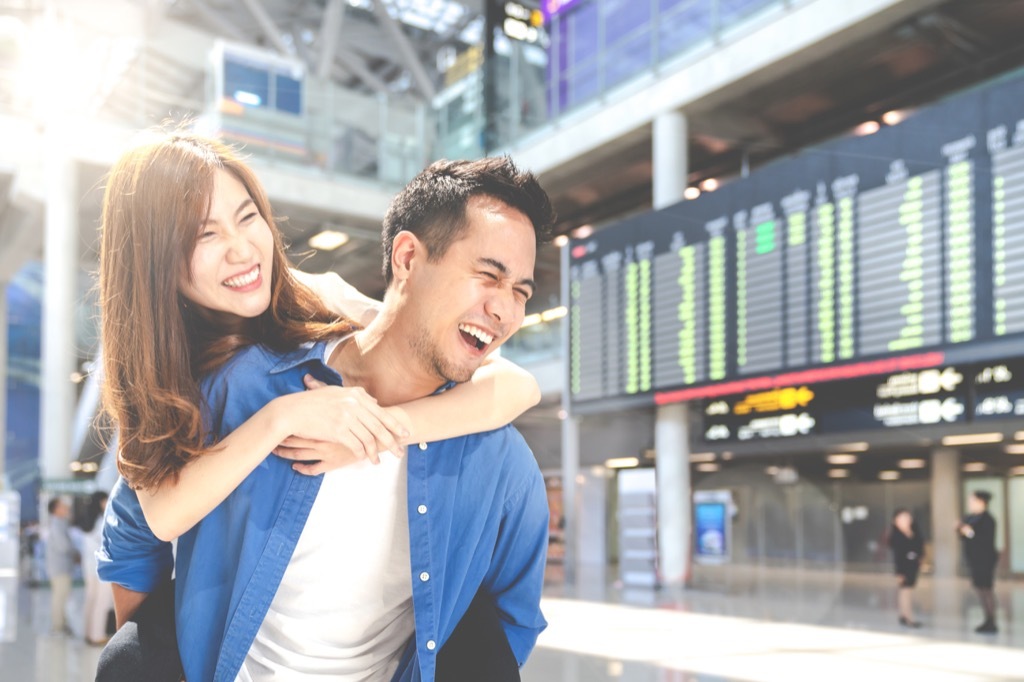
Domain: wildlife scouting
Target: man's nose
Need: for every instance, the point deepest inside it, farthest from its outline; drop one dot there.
(501, 305)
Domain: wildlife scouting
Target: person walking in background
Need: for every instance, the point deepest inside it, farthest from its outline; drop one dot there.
(978, 530)
(907, 547)
(60, 559)
(99, 598)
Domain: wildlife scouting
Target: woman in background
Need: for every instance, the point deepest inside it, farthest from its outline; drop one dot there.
(907, 547)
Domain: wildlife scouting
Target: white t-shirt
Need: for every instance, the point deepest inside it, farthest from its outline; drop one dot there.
(344, 607)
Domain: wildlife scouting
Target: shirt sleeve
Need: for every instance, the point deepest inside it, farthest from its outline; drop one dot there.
(516, 577)
(129, 554)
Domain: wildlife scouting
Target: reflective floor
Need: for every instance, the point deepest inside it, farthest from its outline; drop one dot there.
(737, 625)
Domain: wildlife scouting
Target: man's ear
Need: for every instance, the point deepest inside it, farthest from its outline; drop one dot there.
(406, 251)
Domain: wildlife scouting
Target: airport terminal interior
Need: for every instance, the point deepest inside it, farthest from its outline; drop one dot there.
(782, 305)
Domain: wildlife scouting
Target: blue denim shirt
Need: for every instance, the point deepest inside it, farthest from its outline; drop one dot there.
(478, 516)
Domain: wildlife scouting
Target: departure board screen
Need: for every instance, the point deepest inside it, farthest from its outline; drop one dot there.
(901, 246)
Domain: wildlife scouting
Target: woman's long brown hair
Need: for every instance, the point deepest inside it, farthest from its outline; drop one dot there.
(156, 345)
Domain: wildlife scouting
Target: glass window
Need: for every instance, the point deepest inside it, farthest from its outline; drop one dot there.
(288, 94)
(246, 84)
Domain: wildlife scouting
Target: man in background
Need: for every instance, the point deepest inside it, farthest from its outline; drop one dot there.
(60, 559)
(978, 530)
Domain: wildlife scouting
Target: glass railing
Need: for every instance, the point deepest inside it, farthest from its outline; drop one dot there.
(340, 133)
(590, 48)
(541, 342)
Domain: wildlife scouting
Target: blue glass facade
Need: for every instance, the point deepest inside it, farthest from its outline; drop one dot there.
(24, 313)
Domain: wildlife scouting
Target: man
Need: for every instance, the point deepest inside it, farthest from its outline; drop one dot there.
(60, 560)
(327, 590)
(978, 531)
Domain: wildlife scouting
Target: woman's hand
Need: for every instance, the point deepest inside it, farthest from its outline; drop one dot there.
(336, 426)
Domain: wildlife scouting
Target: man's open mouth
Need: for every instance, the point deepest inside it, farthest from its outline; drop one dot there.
(475, 336)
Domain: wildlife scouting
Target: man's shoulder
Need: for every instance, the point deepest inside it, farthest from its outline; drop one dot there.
(505, 445)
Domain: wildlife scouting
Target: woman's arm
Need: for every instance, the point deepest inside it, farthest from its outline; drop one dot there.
(339, 296)
(498, 392)
(126, 603)
(346, 417)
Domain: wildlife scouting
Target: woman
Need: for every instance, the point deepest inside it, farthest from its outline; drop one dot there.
(907, 547)
(180, 213)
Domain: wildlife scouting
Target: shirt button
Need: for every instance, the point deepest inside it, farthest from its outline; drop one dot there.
(431, 645)
(422, 509)
(423, 446)
(424, 576)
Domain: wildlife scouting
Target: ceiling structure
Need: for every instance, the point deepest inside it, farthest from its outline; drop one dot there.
(153, 63)
(919, 60)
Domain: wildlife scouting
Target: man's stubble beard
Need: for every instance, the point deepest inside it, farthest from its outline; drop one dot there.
(431, 357)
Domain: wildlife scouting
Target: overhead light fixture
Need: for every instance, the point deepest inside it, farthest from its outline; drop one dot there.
(973, 439)
(912, 463)
(708, 467)
(696, 457)
(853, 447)
(842, 458)
(246, 97)
(772, 470)
(727, 456)
(709, 185)
(530, 320)
(328, 240)
(75, 466)
(554, 313)
(560, 241)
(563, 414)
(838, 473)
(691, 192)
(888, 475)
(1017, 471)
(1014, 449)
(1019, 435)
(90, 467)
(894, 117)
(975, 467)
(622, 462)
(867, 128)
(583, 231)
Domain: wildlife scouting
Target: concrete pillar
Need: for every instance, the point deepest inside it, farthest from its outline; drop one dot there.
(670, 156)
(570, 471)
(672, 445)
(60, 269)
(570, 447)
(945, 509)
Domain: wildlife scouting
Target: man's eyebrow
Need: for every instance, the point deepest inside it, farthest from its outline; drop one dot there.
(503, 269)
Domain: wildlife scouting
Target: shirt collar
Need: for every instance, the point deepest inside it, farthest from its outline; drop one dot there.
(304, 354)
(313, 352)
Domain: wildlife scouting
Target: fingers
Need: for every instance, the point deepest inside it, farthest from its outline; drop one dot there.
(364, 443)
(353, 418)
(313, 383)
(309, 469)
(297, 454)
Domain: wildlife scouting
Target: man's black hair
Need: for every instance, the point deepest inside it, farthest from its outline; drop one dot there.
(983, 495)
(433, 205)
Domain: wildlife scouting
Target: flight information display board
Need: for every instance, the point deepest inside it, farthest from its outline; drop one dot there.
(865, 255)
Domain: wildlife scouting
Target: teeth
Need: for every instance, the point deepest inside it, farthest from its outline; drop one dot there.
(476, 332)
(243, 280)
